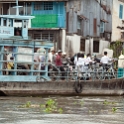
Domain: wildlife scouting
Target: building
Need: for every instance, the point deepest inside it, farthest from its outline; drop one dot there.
(89, 25)
(118, 20)
(50, 18)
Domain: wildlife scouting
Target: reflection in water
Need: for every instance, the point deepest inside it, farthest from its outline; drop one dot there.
(76, 110)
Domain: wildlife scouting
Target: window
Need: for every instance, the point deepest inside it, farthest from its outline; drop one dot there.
(121, 11)
(43, 6)
(95, 26)
(82, 45)
(102, 24)
(37, 36)
(0, 21)
(48, 5)
(37, 6)
(47, 36)
(79, 24)
(4, 22)
(96, 46)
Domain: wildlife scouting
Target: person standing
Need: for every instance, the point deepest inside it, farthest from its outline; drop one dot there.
(10, 65)
(58, 62)
(105, 59)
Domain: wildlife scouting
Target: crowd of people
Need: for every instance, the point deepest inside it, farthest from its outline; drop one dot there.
(79, 61)
(58, 60)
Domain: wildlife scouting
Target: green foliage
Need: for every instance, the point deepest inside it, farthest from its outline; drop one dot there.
(117, 47)
(114, 109)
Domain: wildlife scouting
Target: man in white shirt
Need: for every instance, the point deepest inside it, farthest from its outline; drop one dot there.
(88, 59)
(105, 59)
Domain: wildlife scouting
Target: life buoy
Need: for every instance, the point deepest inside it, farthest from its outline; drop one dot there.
(78, 87)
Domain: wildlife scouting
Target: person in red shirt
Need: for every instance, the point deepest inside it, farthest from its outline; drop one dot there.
(58, 62)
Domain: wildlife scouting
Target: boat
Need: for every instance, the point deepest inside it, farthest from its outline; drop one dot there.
(27, 81)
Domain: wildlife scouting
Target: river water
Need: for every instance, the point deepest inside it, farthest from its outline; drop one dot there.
(76, 110)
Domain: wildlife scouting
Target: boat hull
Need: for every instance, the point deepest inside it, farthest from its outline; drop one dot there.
(96, 87)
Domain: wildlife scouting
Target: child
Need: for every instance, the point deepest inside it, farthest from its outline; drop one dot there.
(10, 65)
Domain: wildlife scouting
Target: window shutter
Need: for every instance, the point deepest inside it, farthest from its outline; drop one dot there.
(102, 27)
(95, 26)
(121, 12)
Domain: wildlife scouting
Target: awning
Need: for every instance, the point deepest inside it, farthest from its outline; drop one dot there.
(119, 27)
(103, 20)
(82, 17)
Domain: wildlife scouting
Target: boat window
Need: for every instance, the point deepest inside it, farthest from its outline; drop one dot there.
(4, 22)
(17, 32)
(10, 23)
(25, 24)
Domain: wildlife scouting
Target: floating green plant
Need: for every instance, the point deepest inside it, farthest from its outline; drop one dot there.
(60, 110)
(80, 103)
(108, 103)
(27, 104)
(114, 109)
(51, 107)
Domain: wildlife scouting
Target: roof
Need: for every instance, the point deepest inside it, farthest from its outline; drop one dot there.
(103, 20)
(18, 17)
(82, 17)
(7, 1)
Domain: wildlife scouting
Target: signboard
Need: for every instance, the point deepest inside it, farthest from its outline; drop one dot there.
(46, 21)
(24, 58)
(6, 31)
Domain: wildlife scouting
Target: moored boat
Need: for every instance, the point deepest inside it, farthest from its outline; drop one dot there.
(25, 80)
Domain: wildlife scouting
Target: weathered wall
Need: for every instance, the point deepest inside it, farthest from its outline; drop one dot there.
(116, 32)
(72, 45)
(90, 9)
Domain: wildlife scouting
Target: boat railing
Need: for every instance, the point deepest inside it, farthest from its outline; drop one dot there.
(23, 53)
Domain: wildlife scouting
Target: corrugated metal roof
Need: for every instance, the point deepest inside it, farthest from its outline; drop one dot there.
(82, 17)
(28, 0)
(103, 20)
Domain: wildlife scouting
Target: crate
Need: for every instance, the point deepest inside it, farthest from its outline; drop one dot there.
(120, 72)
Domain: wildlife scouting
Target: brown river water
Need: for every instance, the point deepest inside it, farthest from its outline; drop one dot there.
(76, 110)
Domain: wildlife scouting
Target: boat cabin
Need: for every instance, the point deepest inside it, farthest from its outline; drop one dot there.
(8, 29)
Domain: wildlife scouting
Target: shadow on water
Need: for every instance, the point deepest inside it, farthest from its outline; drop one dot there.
(76, 110)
